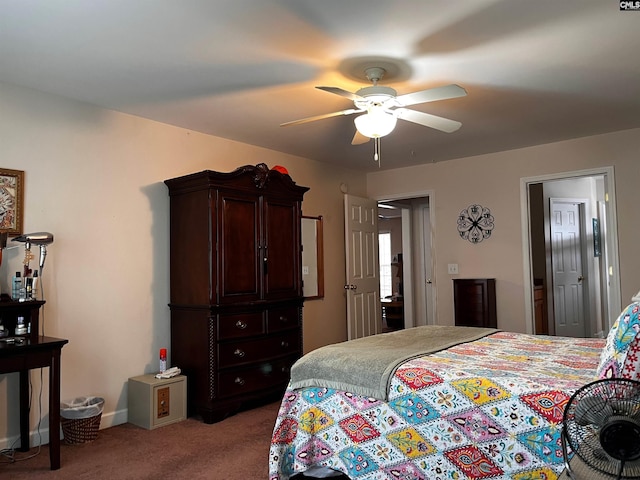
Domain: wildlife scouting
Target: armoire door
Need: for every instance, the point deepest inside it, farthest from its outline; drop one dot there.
(239, 248)
(281, 255)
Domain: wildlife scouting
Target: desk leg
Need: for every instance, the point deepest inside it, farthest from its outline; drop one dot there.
(54, 410)
(24, 410)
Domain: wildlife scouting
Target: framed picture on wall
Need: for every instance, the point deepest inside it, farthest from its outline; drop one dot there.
(11, 201)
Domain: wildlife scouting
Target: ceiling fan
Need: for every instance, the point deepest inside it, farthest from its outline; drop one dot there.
(381, 107)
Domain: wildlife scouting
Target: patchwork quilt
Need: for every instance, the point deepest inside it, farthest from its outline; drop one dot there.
(491, 408)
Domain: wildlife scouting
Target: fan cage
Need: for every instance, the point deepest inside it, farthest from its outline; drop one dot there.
(595, 418)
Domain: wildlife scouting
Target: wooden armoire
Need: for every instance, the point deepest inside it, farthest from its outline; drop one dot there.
(236, 286)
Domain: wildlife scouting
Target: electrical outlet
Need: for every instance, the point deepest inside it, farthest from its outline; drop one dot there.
(453, 268)
(305, 270)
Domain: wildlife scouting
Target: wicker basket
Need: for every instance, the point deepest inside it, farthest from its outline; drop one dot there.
(80, 419)
(80, 430)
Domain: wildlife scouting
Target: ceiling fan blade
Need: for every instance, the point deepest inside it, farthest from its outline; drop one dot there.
(359, 139)
(428, 120)
(320, 117)
(431, 95)
(342, 93)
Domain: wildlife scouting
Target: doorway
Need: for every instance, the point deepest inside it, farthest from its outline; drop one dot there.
(552, 295)
(410, 222)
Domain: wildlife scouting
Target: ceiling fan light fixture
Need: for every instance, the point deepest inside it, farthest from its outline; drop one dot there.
(376, 123)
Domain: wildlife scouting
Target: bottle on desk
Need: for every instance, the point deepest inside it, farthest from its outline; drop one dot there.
(16, 285)
(28, 285)
(34, 286)
(21, 328)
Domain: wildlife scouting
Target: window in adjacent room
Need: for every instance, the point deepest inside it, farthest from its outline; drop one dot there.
(386, 279)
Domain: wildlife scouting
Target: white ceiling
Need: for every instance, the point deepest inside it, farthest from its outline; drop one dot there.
(536, 71)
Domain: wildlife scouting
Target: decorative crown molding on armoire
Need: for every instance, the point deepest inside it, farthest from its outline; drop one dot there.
(236, 285)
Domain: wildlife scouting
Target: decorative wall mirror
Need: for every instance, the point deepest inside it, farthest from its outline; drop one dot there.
(312, 258)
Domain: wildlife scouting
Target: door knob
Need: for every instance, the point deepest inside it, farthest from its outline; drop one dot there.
(429, 282)
(580, 278)
(350, 287)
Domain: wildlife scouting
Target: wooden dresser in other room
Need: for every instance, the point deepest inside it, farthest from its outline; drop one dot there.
(475, 302)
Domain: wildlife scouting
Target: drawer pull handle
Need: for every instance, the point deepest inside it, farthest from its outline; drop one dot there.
(239, 381)
(283, 319)
(284, 344)
(238, 353)
(241, 325)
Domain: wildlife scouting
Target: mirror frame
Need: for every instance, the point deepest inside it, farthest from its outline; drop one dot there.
(319, 251)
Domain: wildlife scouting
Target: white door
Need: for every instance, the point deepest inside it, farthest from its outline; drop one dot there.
(362, 285)
(428, 264)
(423, 284)
(567, 267)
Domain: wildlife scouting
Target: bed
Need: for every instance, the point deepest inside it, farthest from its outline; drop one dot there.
(477, 403)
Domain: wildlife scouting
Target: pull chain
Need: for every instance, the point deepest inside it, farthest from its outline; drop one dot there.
(376, 150)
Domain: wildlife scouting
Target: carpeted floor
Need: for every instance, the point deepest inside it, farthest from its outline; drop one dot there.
(236, 448)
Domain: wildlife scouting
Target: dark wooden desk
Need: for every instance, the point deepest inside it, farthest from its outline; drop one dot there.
(43, 352)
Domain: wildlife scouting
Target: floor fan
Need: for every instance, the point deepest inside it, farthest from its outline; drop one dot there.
(602, 430)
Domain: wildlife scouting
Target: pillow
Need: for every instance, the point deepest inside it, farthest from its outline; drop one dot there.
(620, 357)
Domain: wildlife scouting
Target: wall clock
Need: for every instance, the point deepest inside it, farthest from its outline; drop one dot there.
(475, 223)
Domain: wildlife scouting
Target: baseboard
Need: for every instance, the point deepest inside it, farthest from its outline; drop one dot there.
(42, 437)
(114, 418)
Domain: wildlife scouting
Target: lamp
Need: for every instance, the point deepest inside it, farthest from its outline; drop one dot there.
(376, 123)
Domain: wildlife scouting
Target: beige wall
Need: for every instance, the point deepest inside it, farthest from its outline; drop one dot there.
(493, 181)
(94, 178)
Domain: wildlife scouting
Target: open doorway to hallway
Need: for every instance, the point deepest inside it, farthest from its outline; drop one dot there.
(407, 225)
(571, 269)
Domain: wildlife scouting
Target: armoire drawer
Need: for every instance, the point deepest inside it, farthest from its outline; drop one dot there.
(282, 318)
(258, 377)
(249, 351)
(238, 325)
